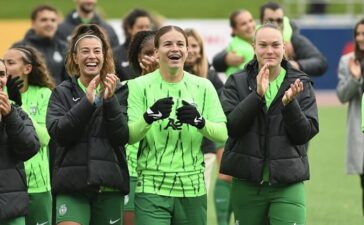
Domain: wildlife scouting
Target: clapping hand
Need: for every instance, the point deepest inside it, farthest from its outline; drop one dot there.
(110, 83)
(355, 68)
(263, 80)
(189, 114)
(161, 109)
(292, 92)
(148, 64)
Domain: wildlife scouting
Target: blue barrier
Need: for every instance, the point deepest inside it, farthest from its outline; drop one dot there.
(330, 42)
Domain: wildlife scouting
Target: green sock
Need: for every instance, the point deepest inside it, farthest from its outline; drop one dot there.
(222, 202)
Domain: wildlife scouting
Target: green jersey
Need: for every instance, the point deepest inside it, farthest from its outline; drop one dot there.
(35, 103)
(241, 48)
(131, 157)
(170, 160)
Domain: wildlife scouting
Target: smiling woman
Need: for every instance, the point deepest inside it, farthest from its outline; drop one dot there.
(86, 120)
(272, 114)
(169, 112)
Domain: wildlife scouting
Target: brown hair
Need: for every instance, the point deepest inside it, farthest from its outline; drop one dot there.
(40, 8)
(200, 68)
(359, 54)
(267, 25)
(40, 75)
(80, 32)
(165, 30)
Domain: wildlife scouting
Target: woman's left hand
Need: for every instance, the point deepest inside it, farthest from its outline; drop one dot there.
(292, 92)
(110, 83)
(5, 106)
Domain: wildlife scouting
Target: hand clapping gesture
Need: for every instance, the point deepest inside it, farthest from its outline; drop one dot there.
(292, 92)
(110, 83)
(355, 68)
(5, 106)
(263, 80)
(148, 64)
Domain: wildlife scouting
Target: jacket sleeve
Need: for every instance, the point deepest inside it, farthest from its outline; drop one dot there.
(347, 87)
(21, 134)
(219, 61)
(309, 58)
(115, 121)
(216, 81)
(65, 125)
(300, 117)
(240, 113)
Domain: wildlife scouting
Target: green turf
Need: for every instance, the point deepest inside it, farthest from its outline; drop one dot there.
(333, 198)
(20, 9)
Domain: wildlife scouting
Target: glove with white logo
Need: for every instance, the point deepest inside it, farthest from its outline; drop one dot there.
(189, 114)
(14, 85)
(159, 110)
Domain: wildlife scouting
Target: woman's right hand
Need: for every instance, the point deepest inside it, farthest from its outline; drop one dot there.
(91, 89)
(148, 64)
(263, 80)
(5, 106)
(355, 68)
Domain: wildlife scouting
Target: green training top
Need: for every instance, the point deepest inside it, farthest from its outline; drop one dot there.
(131, 157)
(35, 103)
(242, 48)
(269, 96)
(170, 160)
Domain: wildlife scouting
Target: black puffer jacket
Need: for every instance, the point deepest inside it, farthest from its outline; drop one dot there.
(90, 139)
(53, 50)
(277, 136)
(18, 143)
(123, 68)
(65, 29)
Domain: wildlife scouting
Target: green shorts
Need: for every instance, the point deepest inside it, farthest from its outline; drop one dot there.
(255, 205)
(14, 221)
(129, 205)
(92, 208)
(39, 201)
(152, 209)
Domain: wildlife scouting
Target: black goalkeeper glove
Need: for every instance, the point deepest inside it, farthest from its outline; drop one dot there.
(159, 110)
(14, 85)
(189, 114)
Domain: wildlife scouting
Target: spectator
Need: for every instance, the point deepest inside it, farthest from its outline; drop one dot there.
(85, 14)
(300, 52)
(42, 37)
(136, 20)
(350, 90)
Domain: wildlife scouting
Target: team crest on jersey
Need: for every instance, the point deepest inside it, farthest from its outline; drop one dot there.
(62, 210)
(33, 110)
